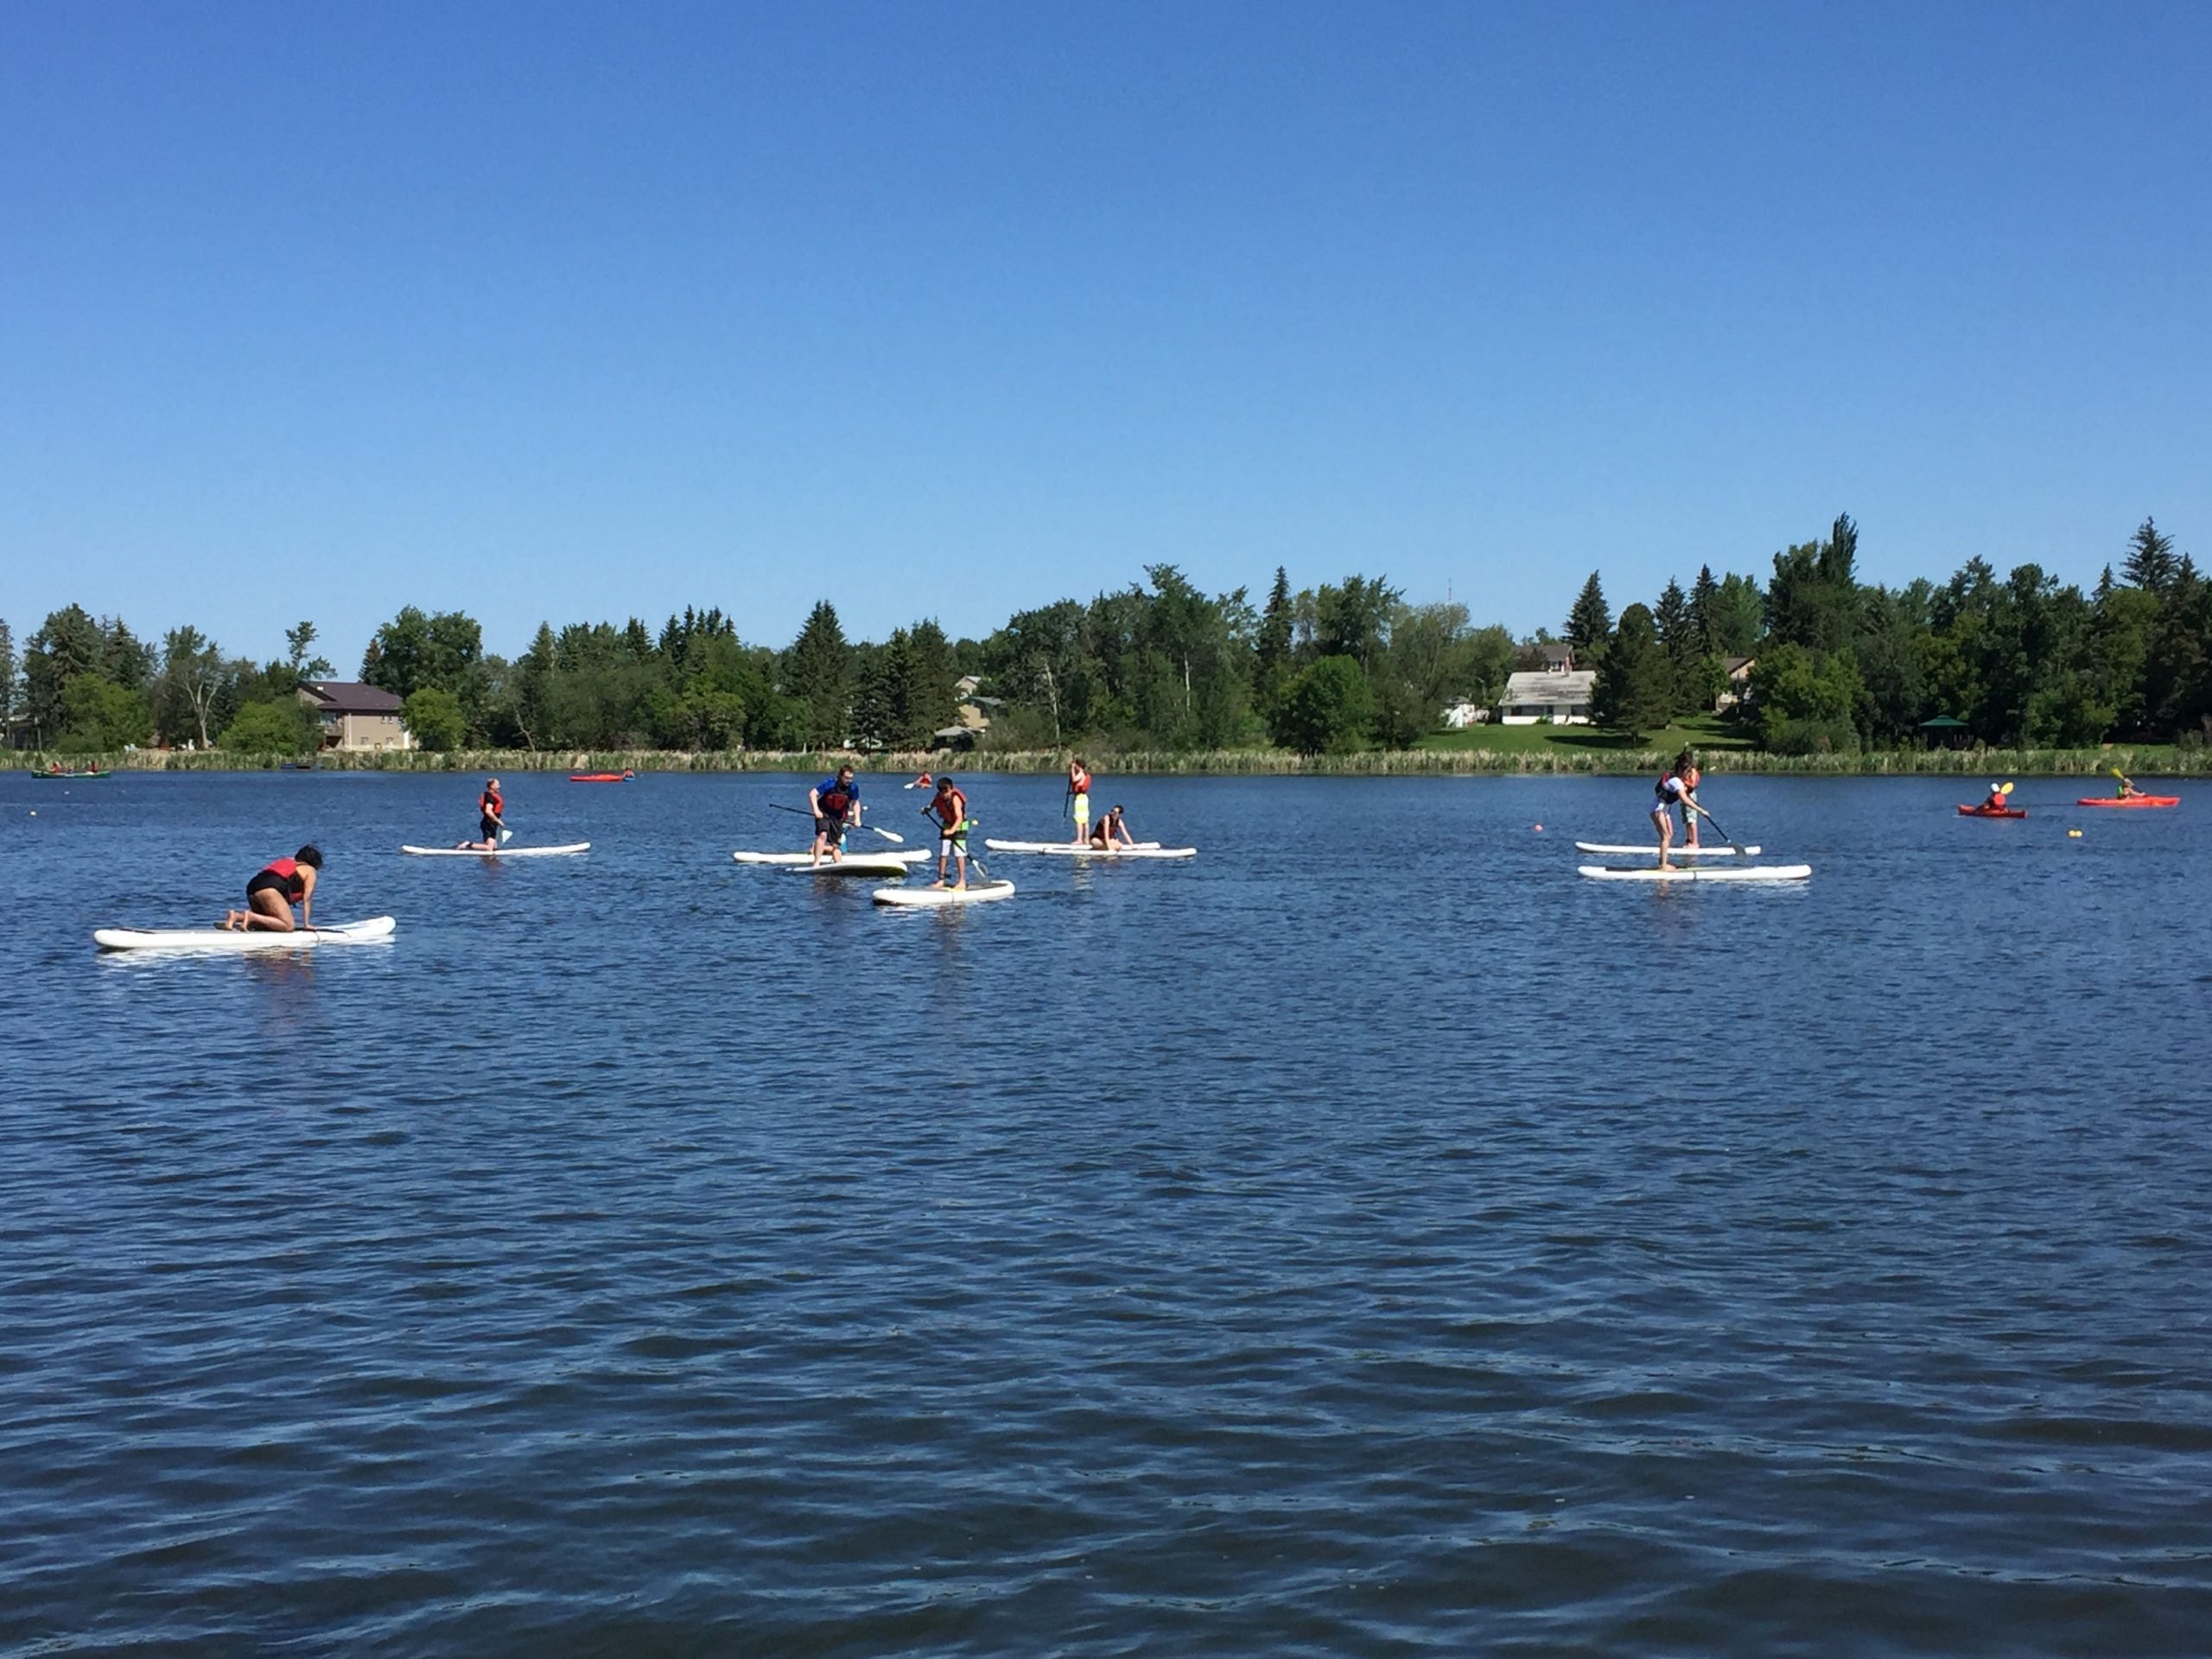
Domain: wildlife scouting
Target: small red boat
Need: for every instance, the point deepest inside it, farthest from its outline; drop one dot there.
(601, 777)
(1991, 812)
(2129, 800)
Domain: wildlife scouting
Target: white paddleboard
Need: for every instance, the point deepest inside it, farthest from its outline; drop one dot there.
(1069, 849)
(1651, 849)
(498, 852)
(911, 855)
(854, 864)
(1740, 873)
(217, 939)
(930, 898)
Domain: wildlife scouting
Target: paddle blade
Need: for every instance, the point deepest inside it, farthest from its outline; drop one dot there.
(891, 836)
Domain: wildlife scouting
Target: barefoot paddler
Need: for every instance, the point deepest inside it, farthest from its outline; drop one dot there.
(836, 803)
(1079, 798)
(1676, 792)
(491, 820)
(1112, 832)
(949, 808)
(275, 888)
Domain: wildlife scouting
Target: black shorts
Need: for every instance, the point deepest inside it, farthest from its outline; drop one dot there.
(486, 830)
(269, 882)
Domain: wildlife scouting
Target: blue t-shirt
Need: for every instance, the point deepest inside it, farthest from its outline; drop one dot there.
(829, 789)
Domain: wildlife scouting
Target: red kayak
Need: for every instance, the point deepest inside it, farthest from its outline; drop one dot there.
(601, 777)
(1990, 812)
(2129, 800)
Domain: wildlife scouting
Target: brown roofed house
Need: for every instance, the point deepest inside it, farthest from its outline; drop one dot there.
(355, 716)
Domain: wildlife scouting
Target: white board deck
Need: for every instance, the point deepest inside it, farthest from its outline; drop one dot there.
(911, 855)
(932, 897)
(1069, 849)
(1651, 849)
(500, 852)
(216, 938)
(1737, 873)
(854, 864)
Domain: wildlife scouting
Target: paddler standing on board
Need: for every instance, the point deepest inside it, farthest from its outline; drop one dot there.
(1677, 788)
(1079, 798)
(835, 802)
(491, 821)
(275, 888)
(949, 808)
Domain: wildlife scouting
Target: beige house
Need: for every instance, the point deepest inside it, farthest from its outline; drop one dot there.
(355, 716)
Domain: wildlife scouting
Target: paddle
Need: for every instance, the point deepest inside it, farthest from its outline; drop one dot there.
(892, 836)
(1726, 841)
(981, 868)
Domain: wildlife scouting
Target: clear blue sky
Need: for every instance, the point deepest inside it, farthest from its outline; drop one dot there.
(577, 311)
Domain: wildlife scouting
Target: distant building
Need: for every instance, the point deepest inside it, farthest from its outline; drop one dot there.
(1740, 682)
(1463, 714)
(355, 716)
(1547, 699)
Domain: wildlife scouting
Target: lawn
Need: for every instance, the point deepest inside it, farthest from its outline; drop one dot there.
(1693, 731)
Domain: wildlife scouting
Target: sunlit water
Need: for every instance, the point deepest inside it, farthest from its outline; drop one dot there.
(1367, 1237)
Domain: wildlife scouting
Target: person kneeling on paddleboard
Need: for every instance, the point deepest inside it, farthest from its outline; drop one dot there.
(1079, 798)
(274, 890)
(949, 808)
(833, 801)
(490, 823)
(1110, 828)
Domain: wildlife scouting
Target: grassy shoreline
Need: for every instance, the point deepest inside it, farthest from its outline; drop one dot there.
(1594, 758)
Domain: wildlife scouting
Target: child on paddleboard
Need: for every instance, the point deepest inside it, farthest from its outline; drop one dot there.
(949, 808)
(1079, 798)
(275, 888)
(1110, 828)
(490, 823)
(836, 803)
(1677, 790)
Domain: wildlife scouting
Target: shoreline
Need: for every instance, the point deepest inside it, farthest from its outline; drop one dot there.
(2166, 762)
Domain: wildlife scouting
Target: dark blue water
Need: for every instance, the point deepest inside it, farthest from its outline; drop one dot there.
(1366, 1238)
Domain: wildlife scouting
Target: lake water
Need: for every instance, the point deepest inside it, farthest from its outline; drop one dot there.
(1365, 1238)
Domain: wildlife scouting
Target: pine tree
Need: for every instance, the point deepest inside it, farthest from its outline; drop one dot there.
(1634, 689)
(1705, 620)
(819, 673)
(923, 684)
(1678, 639)
(1590, 624)
(2151, 562)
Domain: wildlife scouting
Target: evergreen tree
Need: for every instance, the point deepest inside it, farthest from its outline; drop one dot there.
(125, 658)
(1590, 624)
(299, 642)
(1705, 621)
(7, 677)
(68, 645)
(818, 671)
(1678, 639)
(1634, 689)
(923, 681)
(2150, 563)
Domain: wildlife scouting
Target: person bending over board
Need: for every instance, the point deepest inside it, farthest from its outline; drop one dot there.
(490, 825)
(834, 802)
(1079, 798)
(274, 890)
(1677, 789)
(1111, 829)
(949, 808)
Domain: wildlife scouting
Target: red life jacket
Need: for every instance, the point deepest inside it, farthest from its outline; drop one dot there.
(835, 803)
(289, 869)
(491, 805)
(951, 809)
(1081, 786)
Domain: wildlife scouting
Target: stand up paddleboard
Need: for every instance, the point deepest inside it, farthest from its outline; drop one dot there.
(217, 939)
(498, 852)
(1746, 873)
(854, 864)
(911, 855)
(932, 897)
(1069, 849)
(1649, 850)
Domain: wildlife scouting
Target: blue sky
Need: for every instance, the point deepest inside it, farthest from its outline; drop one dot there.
(571, 312)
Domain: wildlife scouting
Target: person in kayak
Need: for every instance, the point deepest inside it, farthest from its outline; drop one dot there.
(949, 808)
(1111, 828)
(490, 823)
(2126, 790)
(836, 803)
(1676, 790)
(1996, 803)
(1079, 798)
(274, 890)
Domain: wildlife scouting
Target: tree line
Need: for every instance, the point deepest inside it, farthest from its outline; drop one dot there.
(1834, 663)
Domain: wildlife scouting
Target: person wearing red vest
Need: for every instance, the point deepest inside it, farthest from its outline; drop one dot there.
(1079, 798)
(949, 808)
(491, 819)
(275, 887)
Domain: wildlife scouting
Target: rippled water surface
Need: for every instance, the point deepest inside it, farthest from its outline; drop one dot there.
(1367, 1237)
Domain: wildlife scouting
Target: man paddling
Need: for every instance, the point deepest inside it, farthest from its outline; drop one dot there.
(1079, 798)
(490, 823)
(275, 887)
(834, 802)
(949, 808)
